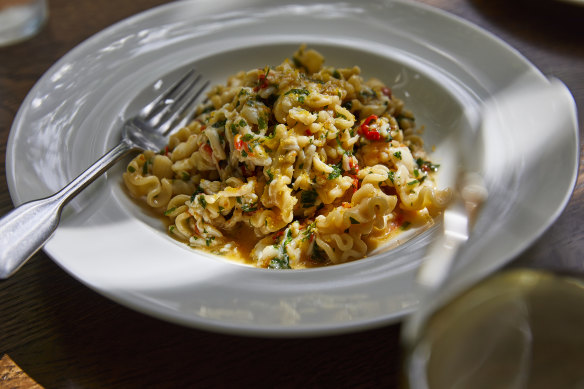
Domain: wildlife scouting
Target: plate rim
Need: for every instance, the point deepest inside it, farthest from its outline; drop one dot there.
(230, 327)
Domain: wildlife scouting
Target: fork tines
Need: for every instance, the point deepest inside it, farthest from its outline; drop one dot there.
(170, 109)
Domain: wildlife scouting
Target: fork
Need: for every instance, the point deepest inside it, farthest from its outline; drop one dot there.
(25, 229)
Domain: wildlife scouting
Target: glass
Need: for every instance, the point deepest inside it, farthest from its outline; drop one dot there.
(20, 19)
(515, 328)
(519, 328)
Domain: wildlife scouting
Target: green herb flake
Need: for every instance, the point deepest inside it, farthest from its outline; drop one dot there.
(353, 220)
(220, 123)
(337, 171)
(308, 233)
(169, 211)
(202, 201)
(249, 207)
(280, 263)
(303, 91)
(318, 254)
(397, 154)
(145, 167)
(131, 169)
(262, 124)
(427, 166)
(308, 197)
(288, 237)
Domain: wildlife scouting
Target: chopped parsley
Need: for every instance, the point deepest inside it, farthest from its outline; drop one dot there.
(262, 124)
(353, 220)
(397, 154)
(288, 238)
(337, 171)
(308, 197)
(367, 93)
(302, 91)
(249, 207)
(427, 166)
(196, 192)
(318, 254)
(309, 231)
(202, 201)
(220, 123)
(145, 167)
(280, 263)
(283, 260)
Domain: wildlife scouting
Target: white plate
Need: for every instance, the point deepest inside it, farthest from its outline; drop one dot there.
(443, 67)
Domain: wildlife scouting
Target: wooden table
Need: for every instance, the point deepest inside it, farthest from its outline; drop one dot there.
(57, 332)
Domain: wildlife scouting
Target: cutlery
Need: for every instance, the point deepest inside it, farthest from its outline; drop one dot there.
(25, 229)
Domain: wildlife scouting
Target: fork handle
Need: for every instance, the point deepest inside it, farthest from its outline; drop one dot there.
(25, 229)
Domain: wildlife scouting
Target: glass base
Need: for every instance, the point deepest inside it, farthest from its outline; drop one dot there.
(518, 329)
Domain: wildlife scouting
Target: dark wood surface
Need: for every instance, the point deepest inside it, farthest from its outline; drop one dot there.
(58, 333)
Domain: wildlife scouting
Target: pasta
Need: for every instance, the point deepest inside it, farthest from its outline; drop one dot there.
(292, 166)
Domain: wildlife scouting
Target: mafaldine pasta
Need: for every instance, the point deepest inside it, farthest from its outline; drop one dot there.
(292, 166)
